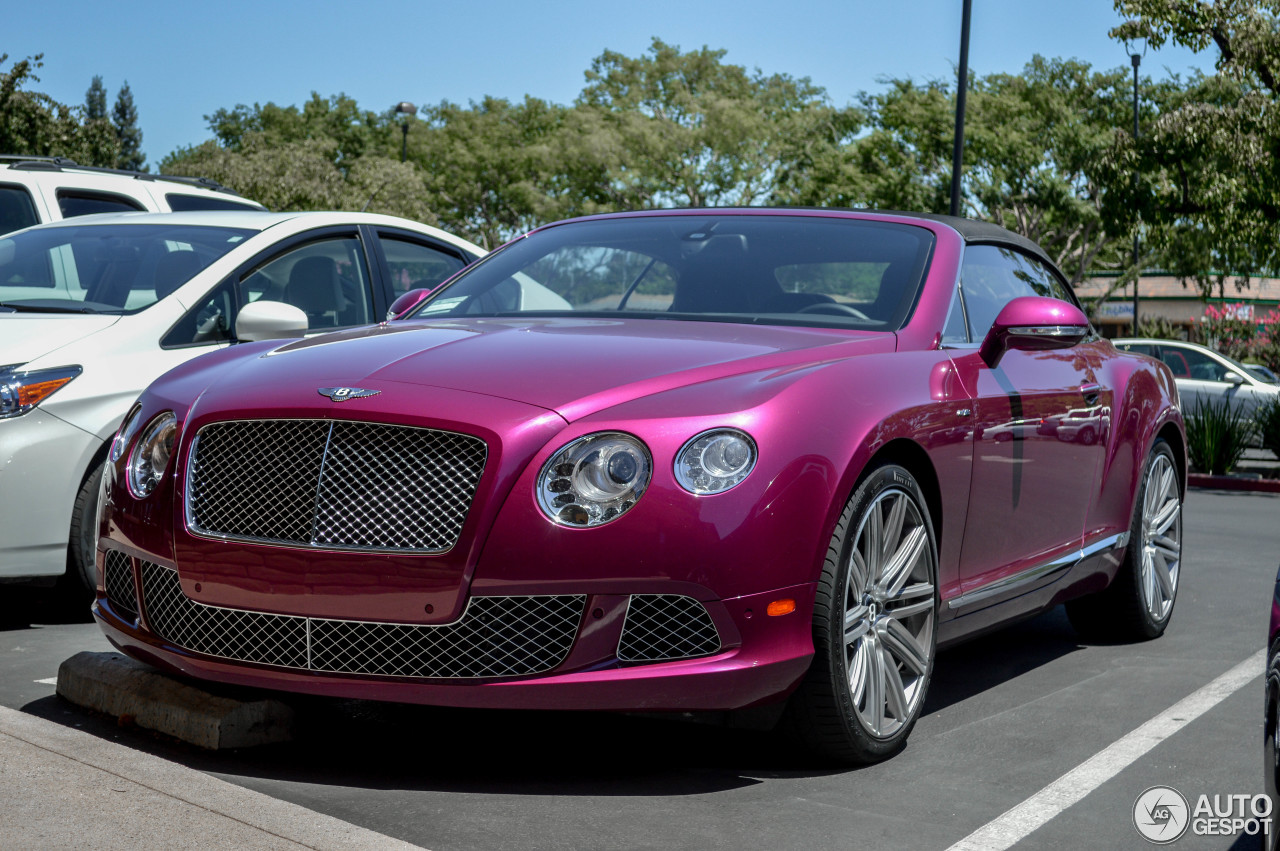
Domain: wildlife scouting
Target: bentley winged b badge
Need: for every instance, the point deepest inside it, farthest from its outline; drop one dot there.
(342, 394)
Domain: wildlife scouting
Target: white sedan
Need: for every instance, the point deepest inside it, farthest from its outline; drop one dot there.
(93, 309)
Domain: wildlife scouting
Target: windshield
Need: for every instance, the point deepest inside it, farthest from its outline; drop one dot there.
(784, 269)
(105, 268)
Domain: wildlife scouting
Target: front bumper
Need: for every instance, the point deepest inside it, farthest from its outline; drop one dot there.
(42, 463)
(591, 653)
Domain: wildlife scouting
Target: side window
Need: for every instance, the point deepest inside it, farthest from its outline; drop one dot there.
(210, 321)
(1199, 366)
(1137, 348)
(413, 265)
(328, 280)
(17, 210)
(76, 203)
(994, 276)
(180, 203)
(955, 333)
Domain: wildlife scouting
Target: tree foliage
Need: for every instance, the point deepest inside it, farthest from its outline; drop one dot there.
(125, 117)
(1209, 198)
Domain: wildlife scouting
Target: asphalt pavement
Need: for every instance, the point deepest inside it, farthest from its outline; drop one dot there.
(1028, 734)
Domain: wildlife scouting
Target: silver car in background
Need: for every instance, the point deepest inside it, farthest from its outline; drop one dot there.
(1205, 375)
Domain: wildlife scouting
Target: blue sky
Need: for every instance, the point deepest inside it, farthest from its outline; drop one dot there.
(184, 60)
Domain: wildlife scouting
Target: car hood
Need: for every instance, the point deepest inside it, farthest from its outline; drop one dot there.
(27, 336)
(571, 366)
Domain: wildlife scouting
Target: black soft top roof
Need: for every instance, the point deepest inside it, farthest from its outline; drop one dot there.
(977, 232)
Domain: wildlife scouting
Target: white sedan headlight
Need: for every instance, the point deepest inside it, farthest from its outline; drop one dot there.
(150, 455)
(594, 479)
(715, 461)
(22, 391)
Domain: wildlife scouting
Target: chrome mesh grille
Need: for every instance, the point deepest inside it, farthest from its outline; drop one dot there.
(336, 484)
(118, 579)
(495, 637)
(215, 631)
(660, 627)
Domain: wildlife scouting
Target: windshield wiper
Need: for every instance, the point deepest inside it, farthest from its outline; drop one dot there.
(20, 307)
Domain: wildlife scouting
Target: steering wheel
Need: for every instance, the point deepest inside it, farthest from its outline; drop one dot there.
(834, 308)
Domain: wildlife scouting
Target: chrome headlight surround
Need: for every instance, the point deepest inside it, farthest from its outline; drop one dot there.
(151, 454)
(715, 461)
(22, 391)
(128, 428)
(594, 479)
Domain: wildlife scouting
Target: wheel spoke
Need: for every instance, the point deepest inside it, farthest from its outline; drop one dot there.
(858, 672)
(1167, 547)
(892, 531)
(900, 567)
(898, 606)
(856, 625)
(895, 692)
(858, 575)
(875, 686)
(873, 543)
(1166, 517)
(1160, 571)
(899, 641)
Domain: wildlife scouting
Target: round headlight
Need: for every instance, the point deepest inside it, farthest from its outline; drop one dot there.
(150, 455)
(594, 479)
(715, 461)
(128, 429)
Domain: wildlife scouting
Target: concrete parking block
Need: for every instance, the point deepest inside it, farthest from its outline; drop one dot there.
(117, 685)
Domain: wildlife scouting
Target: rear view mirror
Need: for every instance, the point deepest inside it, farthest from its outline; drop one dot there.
(1033, 323)
(406, 302)
(269, 320)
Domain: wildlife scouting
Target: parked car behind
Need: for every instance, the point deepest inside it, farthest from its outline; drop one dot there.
(756, 459)
(34, 190)
(1203, 375)
(92, 309)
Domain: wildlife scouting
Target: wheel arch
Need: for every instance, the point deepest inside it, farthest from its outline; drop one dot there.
(908, 454)
(1177, 443)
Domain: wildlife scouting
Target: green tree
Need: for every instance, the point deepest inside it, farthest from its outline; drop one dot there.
(1209, 197)
(672, 128)
(95, 100)
(125, 117)
(31, 122)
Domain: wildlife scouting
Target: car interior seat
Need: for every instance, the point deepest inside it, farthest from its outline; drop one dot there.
(722, 278)
(315, 289)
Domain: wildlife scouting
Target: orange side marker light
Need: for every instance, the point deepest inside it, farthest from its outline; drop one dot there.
(781, 607)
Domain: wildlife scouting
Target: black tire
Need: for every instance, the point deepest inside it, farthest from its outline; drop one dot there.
(1271, 744)
(1137, 606)
(78, 586)
(837, 712)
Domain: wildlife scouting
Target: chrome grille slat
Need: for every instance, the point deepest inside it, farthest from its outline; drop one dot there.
(118, 579)
(494, 637)
(662, 627)
(334, 484)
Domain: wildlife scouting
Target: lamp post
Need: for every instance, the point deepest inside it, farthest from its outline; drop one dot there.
(1136, 47)
(957, 152)
(409, 110)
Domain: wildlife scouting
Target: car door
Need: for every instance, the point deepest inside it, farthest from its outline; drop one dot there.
(1033, 477)
(327, 275)
(1205, 379)
(409, 261)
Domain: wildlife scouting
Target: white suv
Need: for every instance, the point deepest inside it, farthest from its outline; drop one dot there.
(34, 190)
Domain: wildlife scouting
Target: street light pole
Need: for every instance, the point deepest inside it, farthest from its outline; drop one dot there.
(408, 110)
(1136, 48)
(957, 153)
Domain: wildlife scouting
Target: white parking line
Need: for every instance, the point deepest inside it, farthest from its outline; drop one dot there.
(1014, 825)
(49, 681)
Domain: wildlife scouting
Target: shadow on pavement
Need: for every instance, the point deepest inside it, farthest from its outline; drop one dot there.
(374, 745)
(24, 605)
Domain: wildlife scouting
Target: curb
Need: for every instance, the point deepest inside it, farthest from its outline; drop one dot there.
(116, 685)
(1233, 483)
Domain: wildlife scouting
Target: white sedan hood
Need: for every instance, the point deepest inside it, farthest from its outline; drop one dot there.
(27, 336)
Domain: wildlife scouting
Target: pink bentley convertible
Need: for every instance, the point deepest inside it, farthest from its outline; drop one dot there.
(757, 459)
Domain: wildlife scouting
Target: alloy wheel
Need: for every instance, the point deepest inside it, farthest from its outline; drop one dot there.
(889, 613)
(1161, 538)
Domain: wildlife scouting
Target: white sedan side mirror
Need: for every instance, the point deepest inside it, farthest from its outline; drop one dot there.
(269, 320)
